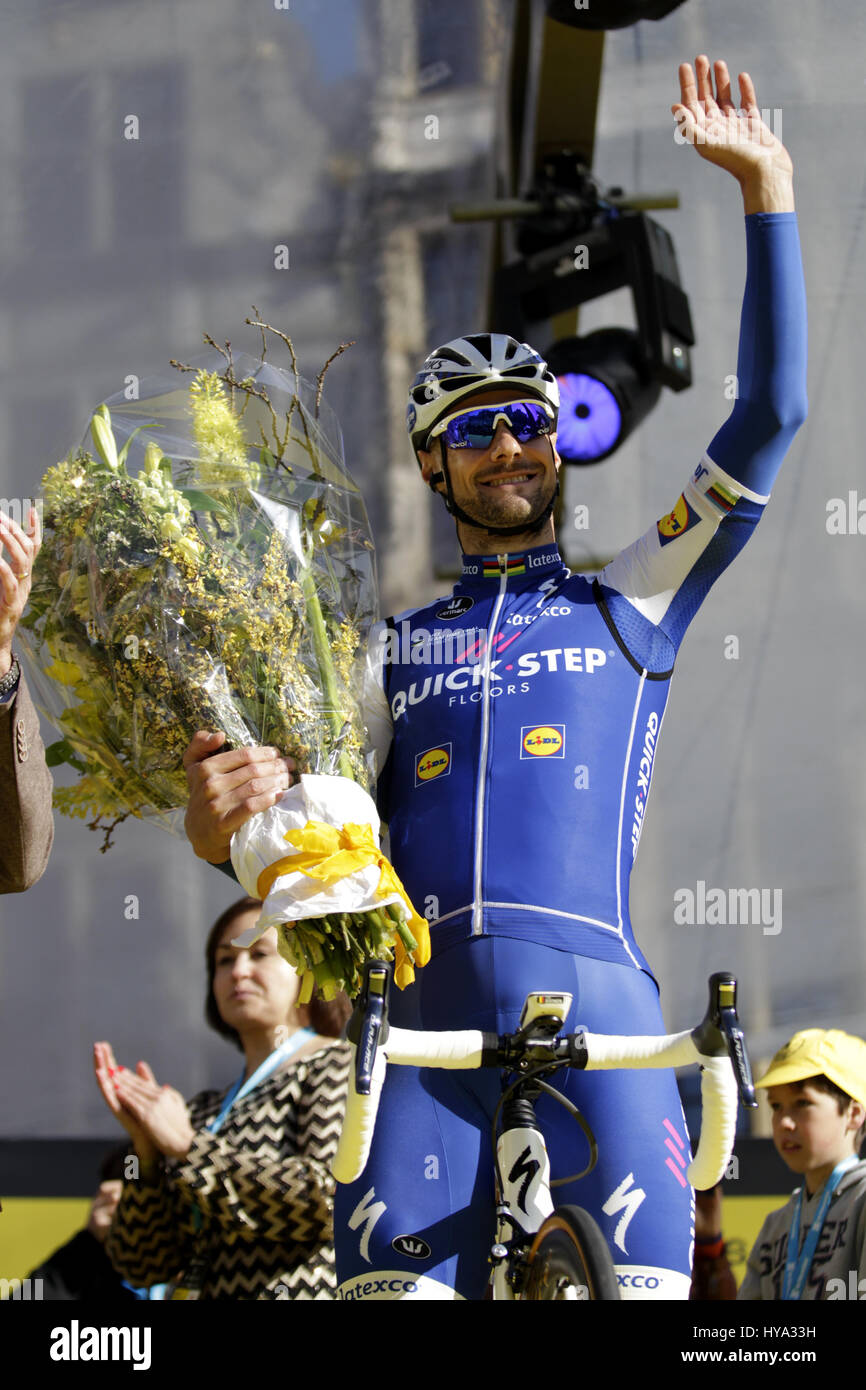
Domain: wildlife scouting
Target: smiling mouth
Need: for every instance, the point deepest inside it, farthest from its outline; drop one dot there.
(510, 480)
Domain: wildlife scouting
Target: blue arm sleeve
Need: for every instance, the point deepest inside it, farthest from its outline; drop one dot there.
(654, 587)
(771, 363)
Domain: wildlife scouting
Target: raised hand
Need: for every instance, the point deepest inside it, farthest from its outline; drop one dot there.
(734, 138)
(160, 1111)
(107, 1071)
(16, 565)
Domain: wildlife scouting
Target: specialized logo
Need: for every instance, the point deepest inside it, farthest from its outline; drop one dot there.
(626, 1199)
(433, 762)
(455, 608)
(413, 1246)
(542, 741)
(366, 1214)
(681, 519)
(525, 1167)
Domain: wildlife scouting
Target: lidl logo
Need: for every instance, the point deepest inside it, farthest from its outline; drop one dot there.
(433, 762)
(542, 741)
(681, 519)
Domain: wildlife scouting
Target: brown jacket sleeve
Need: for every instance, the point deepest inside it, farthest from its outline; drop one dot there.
(26, 817)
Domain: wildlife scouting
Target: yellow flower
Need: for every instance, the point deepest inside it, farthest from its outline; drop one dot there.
(189, 549)
(218, 434)
(170, 528)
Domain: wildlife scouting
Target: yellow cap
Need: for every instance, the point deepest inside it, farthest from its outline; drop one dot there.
(821, 1052)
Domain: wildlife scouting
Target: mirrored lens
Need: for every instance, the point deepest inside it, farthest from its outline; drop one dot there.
(474, 429)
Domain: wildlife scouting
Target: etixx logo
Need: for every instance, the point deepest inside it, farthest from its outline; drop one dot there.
(542, 741)
(433, 762)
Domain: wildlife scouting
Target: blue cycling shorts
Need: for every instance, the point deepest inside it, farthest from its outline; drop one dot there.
(420, 1221)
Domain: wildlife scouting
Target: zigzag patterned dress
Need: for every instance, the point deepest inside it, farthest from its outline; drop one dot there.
(262, 1186)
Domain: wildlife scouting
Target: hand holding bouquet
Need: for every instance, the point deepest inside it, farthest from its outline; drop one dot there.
(207, 562)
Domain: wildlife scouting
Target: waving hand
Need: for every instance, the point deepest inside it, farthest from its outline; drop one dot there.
(734, 138)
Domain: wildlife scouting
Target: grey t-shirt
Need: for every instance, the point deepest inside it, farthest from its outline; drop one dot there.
(839, 1262)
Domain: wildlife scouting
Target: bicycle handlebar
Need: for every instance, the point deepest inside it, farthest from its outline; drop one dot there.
(715, 1044)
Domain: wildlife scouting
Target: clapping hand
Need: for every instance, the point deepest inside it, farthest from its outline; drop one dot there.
(155, 1117)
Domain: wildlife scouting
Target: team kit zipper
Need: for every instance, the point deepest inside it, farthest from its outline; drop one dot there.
(481, 786)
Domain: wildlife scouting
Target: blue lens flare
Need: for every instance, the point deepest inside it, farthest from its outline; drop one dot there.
(590, 420)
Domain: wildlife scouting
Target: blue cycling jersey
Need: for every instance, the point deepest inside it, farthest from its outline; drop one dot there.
(523, 745)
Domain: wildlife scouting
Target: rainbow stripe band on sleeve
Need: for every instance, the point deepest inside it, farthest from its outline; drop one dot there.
(723, 499)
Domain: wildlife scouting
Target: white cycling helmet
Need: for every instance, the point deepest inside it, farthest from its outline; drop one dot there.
(478, 362)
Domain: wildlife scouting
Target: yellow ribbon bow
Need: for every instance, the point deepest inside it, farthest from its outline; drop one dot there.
(329, 854)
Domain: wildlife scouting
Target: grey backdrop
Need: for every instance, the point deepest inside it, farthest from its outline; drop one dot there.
(305, 127)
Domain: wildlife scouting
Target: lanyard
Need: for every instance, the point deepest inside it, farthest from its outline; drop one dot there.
(797, 1265)
(269, 1065)
(237, 1092)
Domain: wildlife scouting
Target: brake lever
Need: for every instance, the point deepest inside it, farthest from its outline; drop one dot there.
(720, 1031)
(368, 1026)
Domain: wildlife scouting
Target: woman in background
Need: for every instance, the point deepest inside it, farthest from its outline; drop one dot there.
(234, 1194)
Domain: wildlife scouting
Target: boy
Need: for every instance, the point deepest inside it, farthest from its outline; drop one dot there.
(816, 1086)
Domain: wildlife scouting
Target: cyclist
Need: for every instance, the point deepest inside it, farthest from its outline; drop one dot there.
(516, 724)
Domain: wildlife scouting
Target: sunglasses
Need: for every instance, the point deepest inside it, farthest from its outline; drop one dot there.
(475, 428)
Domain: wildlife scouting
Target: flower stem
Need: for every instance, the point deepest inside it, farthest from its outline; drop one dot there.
(325, 662)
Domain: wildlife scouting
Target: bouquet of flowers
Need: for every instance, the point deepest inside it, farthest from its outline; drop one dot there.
(207, 563)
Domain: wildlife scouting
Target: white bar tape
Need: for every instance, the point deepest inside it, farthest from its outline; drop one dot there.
(353, 1148)
(607, 1052)
(718, 1122)
(718, 1091)
(458, 1050)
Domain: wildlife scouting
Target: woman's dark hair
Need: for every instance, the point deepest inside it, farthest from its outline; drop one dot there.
(327, 1019)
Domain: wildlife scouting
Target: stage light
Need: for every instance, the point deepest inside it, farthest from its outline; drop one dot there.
(606, 390)
(578, 243)
(608, 14)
